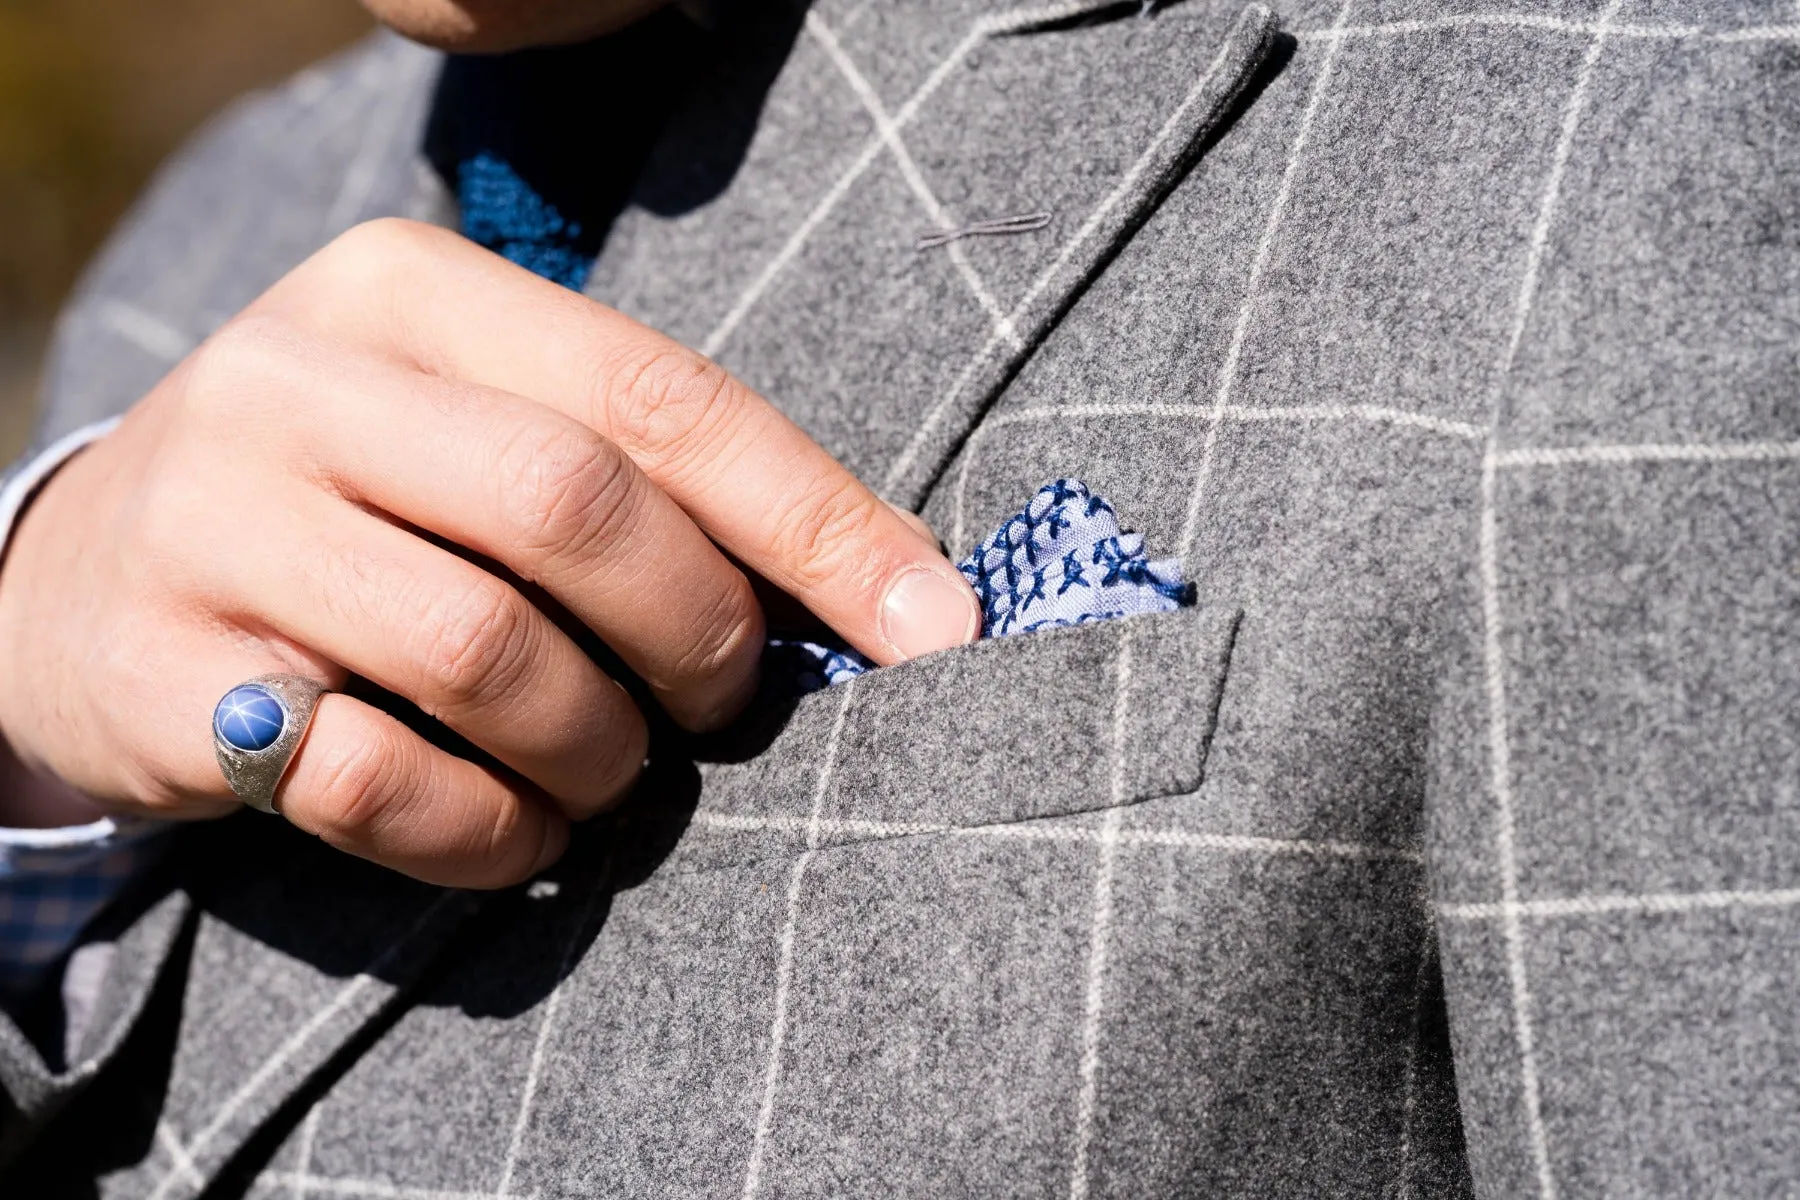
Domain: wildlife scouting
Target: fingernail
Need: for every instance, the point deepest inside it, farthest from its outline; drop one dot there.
(925, 611)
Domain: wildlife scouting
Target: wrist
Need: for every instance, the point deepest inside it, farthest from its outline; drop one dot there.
(33, 798)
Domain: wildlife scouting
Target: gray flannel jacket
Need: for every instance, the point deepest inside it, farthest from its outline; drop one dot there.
(1451, 844)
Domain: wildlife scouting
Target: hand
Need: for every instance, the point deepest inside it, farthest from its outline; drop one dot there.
(356, 475)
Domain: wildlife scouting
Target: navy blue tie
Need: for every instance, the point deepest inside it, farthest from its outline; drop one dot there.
(542, 148)
(506, 214)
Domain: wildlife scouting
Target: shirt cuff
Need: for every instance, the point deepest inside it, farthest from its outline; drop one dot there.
(28, 852)
(53, 881)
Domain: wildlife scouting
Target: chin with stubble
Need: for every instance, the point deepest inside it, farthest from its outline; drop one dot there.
(492, 26)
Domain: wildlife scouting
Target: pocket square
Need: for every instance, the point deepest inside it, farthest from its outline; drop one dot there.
(1061, 560)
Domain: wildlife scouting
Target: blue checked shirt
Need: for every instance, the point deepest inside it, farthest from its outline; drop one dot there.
(54, 881)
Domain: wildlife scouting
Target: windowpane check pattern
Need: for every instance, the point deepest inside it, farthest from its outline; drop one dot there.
(1448, 349)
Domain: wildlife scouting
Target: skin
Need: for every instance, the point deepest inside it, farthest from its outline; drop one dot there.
(490, 26)
(372, 470)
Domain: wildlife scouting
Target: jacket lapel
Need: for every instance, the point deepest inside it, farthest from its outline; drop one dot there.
(803, 275)
(786, 247)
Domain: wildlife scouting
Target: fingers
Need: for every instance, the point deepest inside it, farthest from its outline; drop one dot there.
(750, 478)
(463, 645)
(365, 783)
(564, 508)
(360, 779)
(917, 524)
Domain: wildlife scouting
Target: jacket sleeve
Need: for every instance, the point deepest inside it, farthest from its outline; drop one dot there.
(269, 182)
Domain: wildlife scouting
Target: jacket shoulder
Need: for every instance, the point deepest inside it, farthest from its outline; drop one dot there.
(263, 185)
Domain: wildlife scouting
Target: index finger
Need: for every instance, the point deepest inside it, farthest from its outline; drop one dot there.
(745, 473)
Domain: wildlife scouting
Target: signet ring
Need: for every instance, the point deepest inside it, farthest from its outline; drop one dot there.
(257, 728)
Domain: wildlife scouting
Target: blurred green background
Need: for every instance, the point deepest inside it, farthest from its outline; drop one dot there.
(93, 94)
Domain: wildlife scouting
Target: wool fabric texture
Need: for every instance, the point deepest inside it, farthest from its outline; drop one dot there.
(1446, 845)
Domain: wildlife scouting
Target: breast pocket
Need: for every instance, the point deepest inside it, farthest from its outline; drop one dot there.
(1014, 729)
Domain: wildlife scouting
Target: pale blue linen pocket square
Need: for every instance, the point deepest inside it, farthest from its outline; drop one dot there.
(1061, 560)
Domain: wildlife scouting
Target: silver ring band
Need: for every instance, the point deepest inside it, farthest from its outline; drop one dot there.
(257, 728)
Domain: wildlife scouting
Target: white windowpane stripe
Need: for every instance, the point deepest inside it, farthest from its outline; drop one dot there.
(1253, 283)
(309, 1136)
(909, 170)
(535, 1067)
(1099, 936)
(1763, 33)
(294, 1044)
(1646, 903)
(182, 1161)
(784, 970)
(1564, 456)
(364, 1189)
(1514, 459)
(1493, 657)
(145, 330)
(1548, 24)
(1374, 413)
(1041, 831)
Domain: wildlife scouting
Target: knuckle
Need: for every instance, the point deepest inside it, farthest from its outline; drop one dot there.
(568, 494)
(501, 845)
(366, 267)
(378, 248)
(665, 403)
(493, 837)
(359, 785)
(242, 360)
(727, 633)
(829, 527)
(619, 757)
(478, 647)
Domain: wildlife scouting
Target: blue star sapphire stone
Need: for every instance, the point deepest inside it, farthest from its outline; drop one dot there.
(249, 718)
